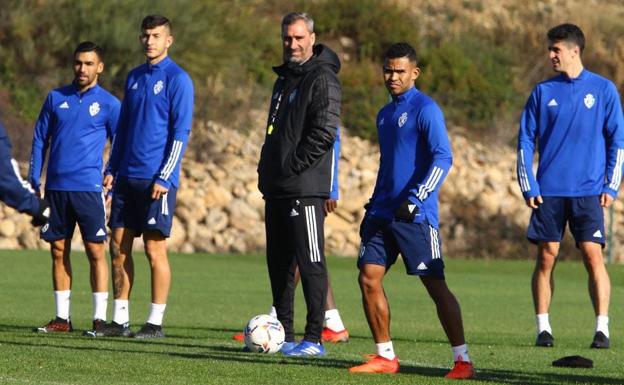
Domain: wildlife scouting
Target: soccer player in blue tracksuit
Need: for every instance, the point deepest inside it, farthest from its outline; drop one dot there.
(74, 124)
(16, 192)
(402, 215)
(576, 120)
(154, 128)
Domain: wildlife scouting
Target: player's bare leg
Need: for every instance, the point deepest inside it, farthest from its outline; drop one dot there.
(61, 264)
(378, 316)
(543, 287)
(449, 311)
(98, 275)
(542, 282)
(375, 302)
(156, 251)
(599, 286)
(598, 281)
(123, 278)
(449, 314)
(98, 266)
(61, 281)
(122, 262)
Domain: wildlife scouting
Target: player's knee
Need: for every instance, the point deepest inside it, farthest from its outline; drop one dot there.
(594, 261)
(57, 250)
(368, 283)
(546, 259)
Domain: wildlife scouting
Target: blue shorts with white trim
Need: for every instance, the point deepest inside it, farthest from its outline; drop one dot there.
(418, 243)
(584, 214)
(134, 208)
(70, 207)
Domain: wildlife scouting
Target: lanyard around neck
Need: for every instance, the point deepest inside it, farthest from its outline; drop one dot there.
(274, 112)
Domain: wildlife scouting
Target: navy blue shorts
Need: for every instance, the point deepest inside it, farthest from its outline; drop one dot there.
(584, 214)
(418, 243)
(133, 207)
(70, 207)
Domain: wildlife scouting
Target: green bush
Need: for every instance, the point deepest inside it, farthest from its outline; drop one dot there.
(480, 75)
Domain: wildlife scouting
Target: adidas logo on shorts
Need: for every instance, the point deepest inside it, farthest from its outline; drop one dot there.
(422, 266)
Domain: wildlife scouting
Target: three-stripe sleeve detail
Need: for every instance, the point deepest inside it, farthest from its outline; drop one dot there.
(174, 156)
(523, 177)
(616, 177)
(315, 255)
(426, 188)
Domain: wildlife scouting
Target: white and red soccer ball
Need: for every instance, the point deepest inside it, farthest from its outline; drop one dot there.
(264, 334)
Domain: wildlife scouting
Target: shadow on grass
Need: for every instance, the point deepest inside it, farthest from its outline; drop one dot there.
(366, 337)
(230, 354)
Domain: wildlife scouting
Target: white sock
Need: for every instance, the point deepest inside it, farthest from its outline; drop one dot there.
(386, 350)
(602, 324)
(121, 311)
(542, 323)
(273, 312)
(460, 353)
(62, 299)
(333, 320)
(157, 311)
(100, 303)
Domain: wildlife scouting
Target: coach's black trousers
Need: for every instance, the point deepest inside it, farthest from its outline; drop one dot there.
(295, 237)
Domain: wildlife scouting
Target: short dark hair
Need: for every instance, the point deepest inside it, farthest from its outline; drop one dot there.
(89, 46)
(293, 17)
(402, 49)
(569, 33)
(153, 21)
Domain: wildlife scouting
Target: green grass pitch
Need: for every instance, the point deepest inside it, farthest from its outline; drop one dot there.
(213, 296)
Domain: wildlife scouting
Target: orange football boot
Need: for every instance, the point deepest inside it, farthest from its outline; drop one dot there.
(377, 364)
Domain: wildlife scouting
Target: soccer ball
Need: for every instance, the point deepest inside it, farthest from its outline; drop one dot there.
(264, 334)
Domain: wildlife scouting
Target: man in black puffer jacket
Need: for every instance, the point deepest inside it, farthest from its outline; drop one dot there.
(295, 176)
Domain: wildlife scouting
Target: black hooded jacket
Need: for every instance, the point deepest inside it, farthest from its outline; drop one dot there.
(297, 157)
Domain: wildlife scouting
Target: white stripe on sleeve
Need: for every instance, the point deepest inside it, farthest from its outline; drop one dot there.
(616, 177)
(176, 149)
(430, 184)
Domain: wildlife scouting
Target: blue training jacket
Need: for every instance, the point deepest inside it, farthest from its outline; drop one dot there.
(334, 191)
(75, 128)
(579, 130)
(415, 156)
(14, 191)
(155, 123)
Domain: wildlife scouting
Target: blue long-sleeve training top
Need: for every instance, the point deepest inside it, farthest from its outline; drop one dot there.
(14, 191)
(334, 191)
(155, 123)
(579, 130)
(415, 156)
(74, 127)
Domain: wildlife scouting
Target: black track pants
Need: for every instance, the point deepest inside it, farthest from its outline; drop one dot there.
(295, 237)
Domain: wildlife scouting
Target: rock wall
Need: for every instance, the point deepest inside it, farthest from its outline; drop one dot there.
(220, 209)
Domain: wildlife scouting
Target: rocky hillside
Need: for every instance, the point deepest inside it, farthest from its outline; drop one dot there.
(220, 209)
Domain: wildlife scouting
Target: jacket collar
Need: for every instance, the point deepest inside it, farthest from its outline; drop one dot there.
(407, 95)
(93, 90)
